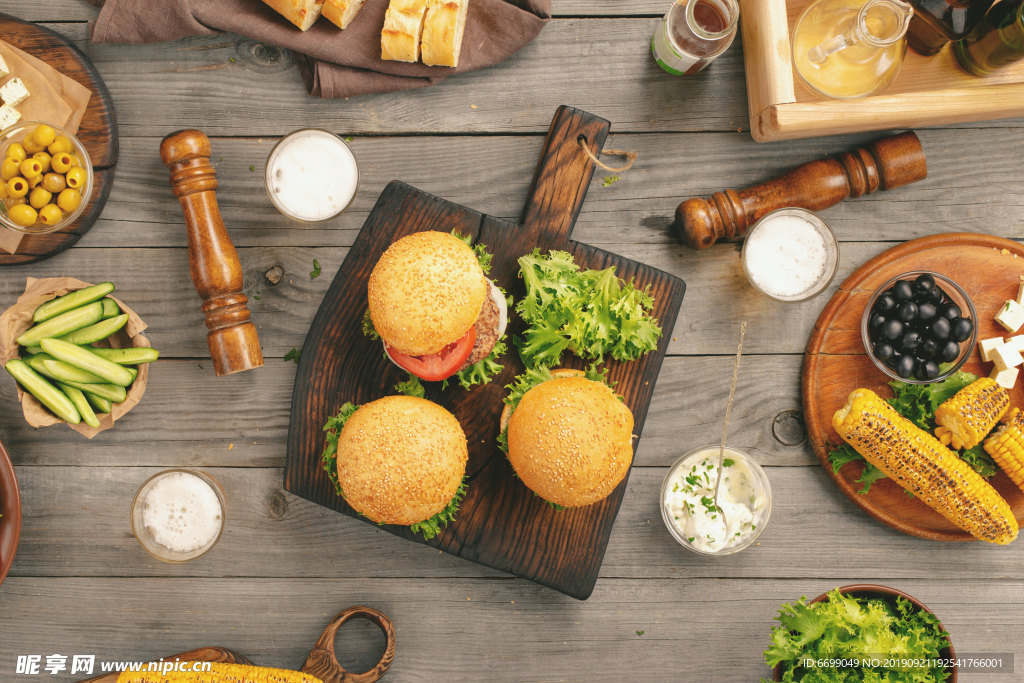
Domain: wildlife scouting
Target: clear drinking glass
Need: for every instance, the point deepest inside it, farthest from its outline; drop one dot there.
(145, 536)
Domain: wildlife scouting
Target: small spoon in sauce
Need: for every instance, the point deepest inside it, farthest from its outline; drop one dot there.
(725, 426)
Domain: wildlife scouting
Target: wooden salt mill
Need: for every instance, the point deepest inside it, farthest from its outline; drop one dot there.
(887, 163)
(216, 270)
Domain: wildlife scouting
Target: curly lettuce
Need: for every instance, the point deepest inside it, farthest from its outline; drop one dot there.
(411, 387)
(479, 250)
(432, 527)
(330, 455)
(483, 371)
(368, 329)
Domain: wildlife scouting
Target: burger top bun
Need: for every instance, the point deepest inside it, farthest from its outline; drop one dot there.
(571, 440)
(401, 459)
(425, 292)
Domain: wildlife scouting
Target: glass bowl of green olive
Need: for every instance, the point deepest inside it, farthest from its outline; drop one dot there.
(45, 178)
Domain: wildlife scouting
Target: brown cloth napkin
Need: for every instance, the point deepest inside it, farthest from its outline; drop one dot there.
(53, 98)
(332, 62)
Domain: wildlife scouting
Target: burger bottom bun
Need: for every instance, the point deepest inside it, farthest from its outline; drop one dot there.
(401, 459)
(571, 441)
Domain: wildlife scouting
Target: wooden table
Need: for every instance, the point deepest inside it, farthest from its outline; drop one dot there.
(81, 584)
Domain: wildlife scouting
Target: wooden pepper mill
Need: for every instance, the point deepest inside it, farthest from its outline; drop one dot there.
(887, 163)
(216, 270)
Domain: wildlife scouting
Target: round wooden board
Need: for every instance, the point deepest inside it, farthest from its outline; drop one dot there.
(97, 132)
(10, 508)
(835, 363)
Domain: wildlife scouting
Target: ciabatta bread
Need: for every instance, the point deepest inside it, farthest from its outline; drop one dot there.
(403, 30)
(342, 12)
(442, 32)
(302, 13)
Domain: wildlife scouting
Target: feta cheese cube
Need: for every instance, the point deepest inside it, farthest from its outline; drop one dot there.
(10, 116)
(14, 92)
(1017, 341)
(4, 69)
(985, 346)
(1006, 356)
(1005, 378)
(1010, 315)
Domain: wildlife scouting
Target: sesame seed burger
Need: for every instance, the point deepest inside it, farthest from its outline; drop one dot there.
(568, 436)
(398, 460)
(434, 309)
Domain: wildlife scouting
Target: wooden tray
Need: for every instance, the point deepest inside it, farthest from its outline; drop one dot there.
(929, 91)
(98, 132)
(501, 524)
(836, 363)
(10, 508)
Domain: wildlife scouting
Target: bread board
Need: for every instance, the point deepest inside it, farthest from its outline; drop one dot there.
(501, 524)
(97, 132)
(836, 363)
(929, 91)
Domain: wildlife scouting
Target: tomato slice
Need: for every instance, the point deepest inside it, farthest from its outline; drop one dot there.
(437, 366)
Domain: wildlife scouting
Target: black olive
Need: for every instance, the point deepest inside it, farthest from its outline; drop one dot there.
(892, 329)
(962, 329)
(940, 329)
(902, 291)
(919, 370)
(929, 348)
(883, 351)
(885, 302)
(936, 296)
(924, 283)
(907, 311)
(931, 369)
(949, 311)
(905, 366)
(926, 311)
(910, 341)
(877, 320)
(950, 351)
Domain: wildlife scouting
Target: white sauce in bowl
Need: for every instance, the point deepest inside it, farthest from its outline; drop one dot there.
(312, 175)
(689, 500)
(182, 513)
(785, 255)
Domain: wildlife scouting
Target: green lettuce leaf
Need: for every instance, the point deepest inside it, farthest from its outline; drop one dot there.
(483, 371)
(479, 250)
(432, 527)
(330, 454)
(980, 461)
(411, 387)
(368, 328)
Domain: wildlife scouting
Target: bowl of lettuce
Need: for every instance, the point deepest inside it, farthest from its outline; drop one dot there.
(883, 634)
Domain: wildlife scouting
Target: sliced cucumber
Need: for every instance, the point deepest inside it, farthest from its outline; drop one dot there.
(99, 403)
(134, 371)
(71, 300)
(81, 403)
(111, 392)
(133, 356)
(110, 309)
(93, 333)
(38, 363)
(84, 359)
(33, 350)
(65, 323)
(63, 372)
(49, 395)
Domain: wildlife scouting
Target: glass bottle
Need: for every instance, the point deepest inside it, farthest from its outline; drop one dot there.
(851, 48)
(693, 34)
(937, 22)
(996, 42)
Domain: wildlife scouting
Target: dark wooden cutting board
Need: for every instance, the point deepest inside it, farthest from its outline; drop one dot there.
(97, 132)
(501, 524)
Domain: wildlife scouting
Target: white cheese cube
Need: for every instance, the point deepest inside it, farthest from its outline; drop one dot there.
(4, 69)
(985, 346)
(14, 92)
(8, 116)
(1006, 356)
(1005, 378)
(1018, 342)
(1010, 315)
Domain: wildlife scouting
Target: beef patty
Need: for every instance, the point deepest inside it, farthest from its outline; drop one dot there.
(486, 331)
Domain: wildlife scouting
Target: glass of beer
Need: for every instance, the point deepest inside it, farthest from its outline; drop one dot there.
(178, 514)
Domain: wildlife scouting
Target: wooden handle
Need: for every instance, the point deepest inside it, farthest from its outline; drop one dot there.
(323, 663)
(562, 178)
(887, 163)
(202, 654)
(216, 270)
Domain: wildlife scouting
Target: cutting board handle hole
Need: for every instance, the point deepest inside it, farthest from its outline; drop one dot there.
(358, 645)
(323, 660)
(582, 138)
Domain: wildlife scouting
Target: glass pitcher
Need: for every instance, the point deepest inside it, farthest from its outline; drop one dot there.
(851, 48)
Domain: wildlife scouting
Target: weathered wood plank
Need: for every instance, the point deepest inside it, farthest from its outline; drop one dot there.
(76, 524)
(637, 209)
(463, 630)
(176, 424)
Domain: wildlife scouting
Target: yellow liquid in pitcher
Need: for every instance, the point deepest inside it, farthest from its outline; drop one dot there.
(859, 70)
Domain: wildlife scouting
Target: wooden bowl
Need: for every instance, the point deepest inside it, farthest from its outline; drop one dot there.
(10, 508)
(889, 595)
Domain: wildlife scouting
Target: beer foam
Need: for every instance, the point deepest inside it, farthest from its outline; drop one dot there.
(786, 256)
(182, 513)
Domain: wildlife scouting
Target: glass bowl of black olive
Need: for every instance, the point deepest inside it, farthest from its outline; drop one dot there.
(919, 327)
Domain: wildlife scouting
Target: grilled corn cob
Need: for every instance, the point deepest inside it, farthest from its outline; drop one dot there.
(220, 673)
(915, 460)
(966, 418)
(1006, 446)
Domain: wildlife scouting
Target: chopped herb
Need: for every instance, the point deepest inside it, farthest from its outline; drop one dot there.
(675, 487)
(728, 463)
(349, 138)
(691, 539)
(609, 179)
(315, 273)
(709, 503)
(200, 366)
(252, 168)
(231, 59)
(293, 355)
(257, 296)
(640, 633)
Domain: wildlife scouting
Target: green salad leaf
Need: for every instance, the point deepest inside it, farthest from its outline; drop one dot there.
(483, 371)
(432, 527)
(980, 460)
(412, 387)
(368, 329)
(482, 255)
(847, 627)
(330, 456)
(589, 312)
